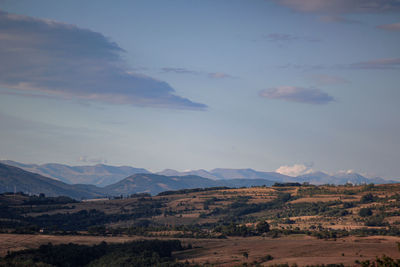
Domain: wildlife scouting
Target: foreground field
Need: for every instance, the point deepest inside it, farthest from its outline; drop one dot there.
(302, 250)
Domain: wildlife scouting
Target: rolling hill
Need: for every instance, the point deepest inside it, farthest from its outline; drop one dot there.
(15, 179)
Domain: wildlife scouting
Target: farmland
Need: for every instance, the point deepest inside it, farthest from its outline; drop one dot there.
(294, 224)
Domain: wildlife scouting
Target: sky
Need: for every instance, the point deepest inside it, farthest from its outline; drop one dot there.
(287, 85)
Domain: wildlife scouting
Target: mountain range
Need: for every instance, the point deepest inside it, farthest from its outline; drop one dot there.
(317, 178)
(104, 180)
(14, 179)
(100, 174)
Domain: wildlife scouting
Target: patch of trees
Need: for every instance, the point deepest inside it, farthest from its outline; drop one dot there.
(43, 200)
(137, 253)
(193, 190)
(368, 198)
(313, 190)
(314, 208)
(377, 220)
(233, 229)
(140, 195)
(389, 231)
(240, 208)
(72, 221)
(286, 184)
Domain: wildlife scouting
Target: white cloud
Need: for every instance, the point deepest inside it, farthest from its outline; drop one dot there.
(294, 170)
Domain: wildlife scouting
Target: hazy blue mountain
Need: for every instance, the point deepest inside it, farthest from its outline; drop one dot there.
(356, 178)
(248, 174)
(200, 172)
(316, 178)
(219, 173)
(100, 174)
(245, 182)
(16, 179)
(140, 180)
(171, 172)
(155, 183)
(319, 178)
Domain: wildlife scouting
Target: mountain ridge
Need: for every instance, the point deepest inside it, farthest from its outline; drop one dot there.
(107, 176)
(99, 174)
(16, 179)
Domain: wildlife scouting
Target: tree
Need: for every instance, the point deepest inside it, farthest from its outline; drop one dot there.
(368, 198)
(365, 212)
(262, 227)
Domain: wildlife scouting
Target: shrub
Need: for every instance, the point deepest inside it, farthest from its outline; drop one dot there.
(365, 212)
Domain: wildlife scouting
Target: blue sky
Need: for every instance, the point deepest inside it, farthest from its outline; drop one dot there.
(304, 84)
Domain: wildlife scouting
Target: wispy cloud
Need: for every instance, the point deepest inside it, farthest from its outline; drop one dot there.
(297, 94)
(375, 64)
(65, 61)
(342, 6)
(179, 70)
(219, 75)
(390, 27)
(288, 38)
(213, 75)
(383, 63)
(86, 159)
(338, 19)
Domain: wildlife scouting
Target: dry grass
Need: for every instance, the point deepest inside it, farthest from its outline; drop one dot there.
(296, 249)
(302, 250)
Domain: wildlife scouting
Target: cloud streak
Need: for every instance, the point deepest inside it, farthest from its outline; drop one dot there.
(179, 70)
(338, 19)
(390, 27)
(65, 61)
(297, 94)
(375, 64)
(383, 63)
(342, 6)
(213, 75)
(288, 38)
